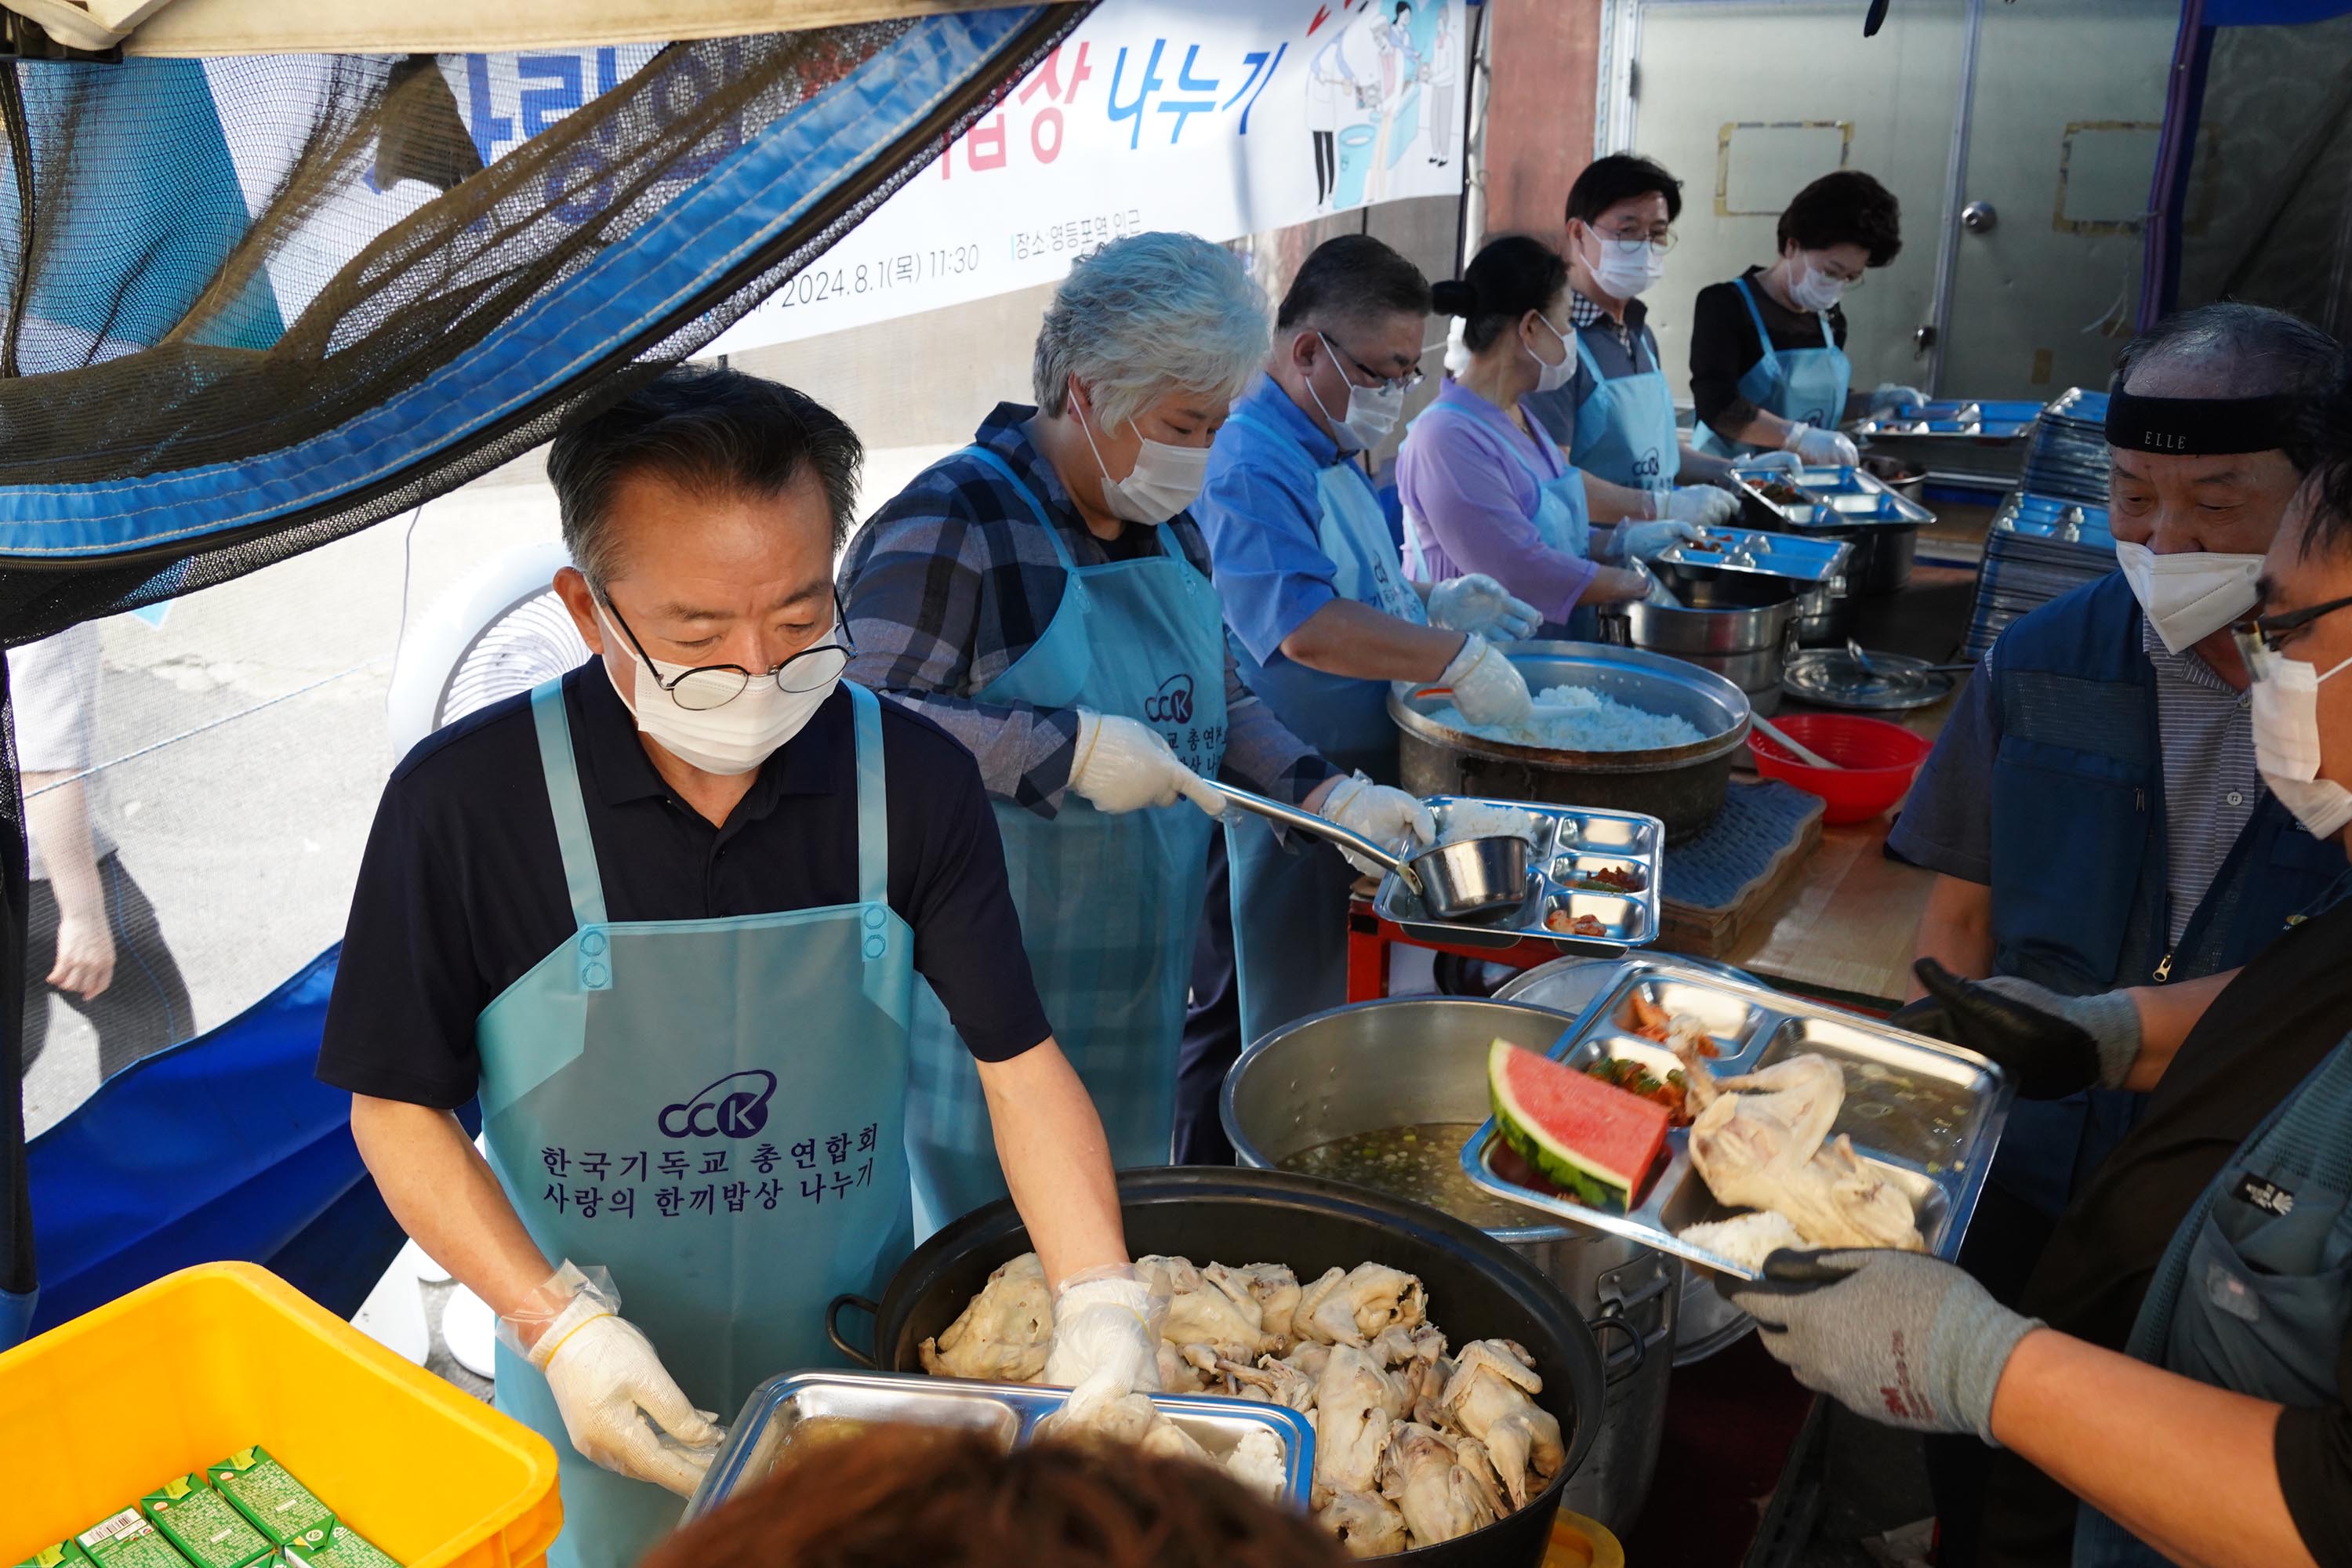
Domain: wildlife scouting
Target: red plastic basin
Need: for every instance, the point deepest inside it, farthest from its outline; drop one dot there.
(1877, 762)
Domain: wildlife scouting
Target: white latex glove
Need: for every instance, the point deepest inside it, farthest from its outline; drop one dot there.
(1769, 463)
(1479, 604)
(1387, 816)
(1657, 593)
(1702, 504)
(1105, 1344)
(1487, 686)
(620, 1408)
(1644, 541)
(1124, 766)
(1826, 449)
(1889, 396)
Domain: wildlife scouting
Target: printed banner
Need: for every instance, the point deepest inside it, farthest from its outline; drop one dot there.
(1219, 117)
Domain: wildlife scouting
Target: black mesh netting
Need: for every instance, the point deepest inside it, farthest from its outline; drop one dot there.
(148, 336)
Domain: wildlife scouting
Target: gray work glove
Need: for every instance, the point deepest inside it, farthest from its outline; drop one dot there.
(2048, 1044)
(1898, 1337)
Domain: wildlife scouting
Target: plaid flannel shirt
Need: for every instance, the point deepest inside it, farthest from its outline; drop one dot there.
(952, 580)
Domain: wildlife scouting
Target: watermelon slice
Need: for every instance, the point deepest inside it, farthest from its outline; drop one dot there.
(1591, 1137)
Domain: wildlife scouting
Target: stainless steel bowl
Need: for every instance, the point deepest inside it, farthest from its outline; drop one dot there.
(1683, 786)
(1472, 876)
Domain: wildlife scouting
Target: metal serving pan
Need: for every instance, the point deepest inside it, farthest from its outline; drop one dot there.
(1571, 843)
(1962, 418)
(1927, 1114)
(1006, 1414)
(1765, 555)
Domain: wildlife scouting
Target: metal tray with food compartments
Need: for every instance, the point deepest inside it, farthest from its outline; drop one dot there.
(792, 1413)
(1953, 419)
(1599, 868)
(1923, 1115)
(1788, 555)
(1824, 498)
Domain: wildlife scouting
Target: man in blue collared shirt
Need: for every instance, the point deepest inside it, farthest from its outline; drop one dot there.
(1320, 617)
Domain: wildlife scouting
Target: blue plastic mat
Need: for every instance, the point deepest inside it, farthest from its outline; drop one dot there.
(1736, 850)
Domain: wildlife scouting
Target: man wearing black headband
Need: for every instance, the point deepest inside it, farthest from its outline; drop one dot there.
(2093, 807)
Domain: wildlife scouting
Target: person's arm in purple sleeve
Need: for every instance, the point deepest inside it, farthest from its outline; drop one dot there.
(1471, 508)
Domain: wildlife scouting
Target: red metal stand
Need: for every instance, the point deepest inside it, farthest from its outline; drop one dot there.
(1370, 938)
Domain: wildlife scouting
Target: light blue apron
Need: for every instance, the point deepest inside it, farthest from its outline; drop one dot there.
(1290, 901)
(1562, 519)
(1109, 903)
(1801, 386)
(712, 1110)
(2255, 1294)
(1625, 428)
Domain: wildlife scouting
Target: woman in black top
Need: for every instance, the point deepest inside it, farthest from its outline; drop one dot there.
(1767, 360)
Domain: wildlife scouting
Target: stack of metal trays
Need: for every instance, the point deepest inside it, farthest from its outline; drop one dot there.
(1965, 441)
(1923, 1115)
(2038, 547)
(793, 1414)
(2067, 457)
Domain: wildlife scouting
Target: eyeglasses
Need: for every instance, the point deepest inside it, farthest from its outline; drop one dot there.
(710, 686)
(2269, 633)
(1664, 239)
(1404, 382)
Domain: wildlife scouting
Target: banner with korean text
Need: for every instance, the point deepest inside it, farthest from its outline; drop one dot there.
(1219, 117)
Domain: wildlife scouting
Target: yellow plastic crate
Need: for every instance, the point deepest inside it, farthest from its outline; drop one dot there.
(177, 1375)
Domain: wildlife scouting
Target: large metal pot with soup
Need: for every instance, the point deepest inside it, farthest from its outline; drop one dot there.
(1383, 1095)
(1607, 762)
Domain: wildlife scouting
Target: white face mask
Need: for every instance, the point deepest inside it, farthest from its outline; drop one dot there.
(2188, 597)
(735, 737)
(2286, 742)
(1627, 267)
(1811, 289)
(1166, 478)
(1551, 377)
(1372, 411)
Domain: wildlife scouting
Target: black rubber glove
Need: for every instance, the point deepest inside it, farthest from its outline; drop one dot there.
(2049, 1045)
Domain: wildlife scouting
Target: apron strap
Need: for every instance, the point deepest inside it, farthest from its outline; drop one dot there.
(873, 799)
(1764, 333)
(563, 770)
(1591, 365)
(1036, 507)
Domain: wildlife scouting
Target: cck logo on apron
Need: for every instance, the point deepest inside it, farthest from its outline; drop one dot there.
(1646, 469)
(1172, 704)
(734, 1107)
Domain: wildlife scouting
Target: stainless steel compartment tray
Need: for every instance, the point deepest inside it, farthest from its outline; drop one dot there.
(1571, 839)
(1834, 498)
(1954, 420)
(1764, 553)
(1007, 1412)
(1927, 1114)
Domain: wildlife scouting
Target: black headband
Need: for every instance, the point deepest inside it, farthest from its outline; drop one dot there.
(2201, 426)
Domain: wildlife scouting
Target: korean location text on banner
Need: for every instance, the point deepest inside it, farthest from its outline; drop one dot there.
(1218, 117)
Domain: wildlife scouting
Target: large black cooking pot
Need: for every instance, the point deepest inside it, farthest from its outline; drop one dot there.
(1478, 1288)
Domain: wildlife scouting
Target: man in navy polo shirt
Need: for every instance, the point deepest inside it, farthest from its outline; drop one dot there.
(663, 918)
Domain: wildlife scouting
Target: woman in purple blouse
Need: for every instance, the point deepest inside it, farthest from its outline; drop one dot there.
(1485, 488)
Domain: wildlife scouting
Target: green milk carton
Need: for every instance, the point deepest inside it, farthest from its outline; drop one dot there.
(127, 1540)
(63, 1555)
(345, 1548)
(204, 1526)
(265, 1492)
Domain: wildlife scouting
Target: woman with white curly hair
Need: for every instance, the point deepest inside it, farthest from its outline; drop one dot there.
(1044, 594)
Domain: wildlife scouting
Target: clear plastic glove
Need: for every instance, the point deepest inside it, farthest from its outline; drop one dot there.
(1106, 1335)
(1124, 766)
(1657, 593)
(1644, 541)
(1898, 1337)
(1387, 816)
(1702, 504)
(1769, 463)
(1479, 604)
(1825, 448)
(620, 1408)
(1893, 398)
(1488, 688)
